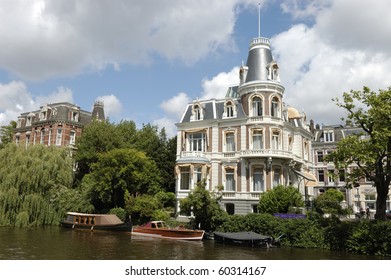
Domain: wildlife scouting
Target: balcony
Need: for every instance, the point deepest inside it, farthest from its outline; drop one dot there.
(194, 157)
(266, 153)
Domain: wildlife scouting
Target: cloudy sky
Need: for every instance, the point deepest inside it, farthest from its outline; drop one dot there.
(147, 59)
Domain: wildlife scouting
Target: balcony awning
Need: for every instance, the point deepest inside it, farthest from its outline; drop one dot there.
(310, 179)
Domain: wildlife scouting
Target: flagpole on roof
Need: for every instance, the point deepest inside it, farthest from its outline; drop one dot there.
(259, 19)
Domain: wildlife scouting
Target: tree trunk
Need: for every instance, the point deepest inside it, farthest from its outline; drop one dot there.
(382, 194)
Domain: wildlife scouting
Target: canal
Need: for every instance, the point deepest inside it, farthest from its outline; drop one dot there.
(56, 243)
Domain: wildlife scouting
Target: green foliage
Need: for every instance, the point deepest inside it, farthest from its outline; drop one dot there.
(144, 208)
(119, 172)
(166, 199)
(362, 237)
(280, 199)
(102, 137)
(265, 224)
(27, 179)
(371, 150)
(7, 133)
(120, 212)
(204, 206)
(329, 202)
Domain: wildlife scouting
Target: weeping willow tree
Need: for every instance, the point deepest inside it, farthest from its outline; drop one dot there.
(36, 186)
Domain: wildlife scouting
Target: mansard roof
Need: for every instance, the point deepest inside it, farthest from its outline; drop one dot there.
(213, 109)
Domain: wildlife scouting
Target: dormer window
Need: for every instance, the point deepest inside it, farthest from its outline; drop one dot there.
(197, 112)
(42, 115)
(328, 136)
(257, 108)
(75, 116)
(273, 72)
(229, 110)
(19, 122)
(30, 119)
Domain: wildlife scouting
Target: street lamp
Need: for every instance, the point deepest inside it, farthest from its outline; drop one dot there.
(269, 164)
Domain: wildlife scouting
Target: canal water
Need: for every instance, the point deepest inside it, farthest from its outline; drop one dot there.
(56, 243)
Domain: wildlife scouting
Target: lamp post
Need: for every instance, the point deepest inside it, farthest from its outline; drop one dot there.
(269, 164)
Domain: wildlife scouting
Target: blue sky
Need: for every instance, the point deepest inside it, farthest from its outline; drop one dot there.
(147, 59)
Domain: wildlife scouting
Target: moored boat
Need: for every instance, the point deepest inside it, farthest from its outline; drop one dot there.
(244, 238)
(92, 222)
(159, 229)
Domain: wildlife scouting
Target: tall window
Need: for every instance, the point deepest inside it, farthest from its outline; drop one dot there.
(277, 177)
(275, 107)
(321, 175)
(257, 139)
(59, 137)
(341, 175)
(258, 180)
(197, 112)
(330, 175)
(72, 137)
(229, 179)
(319, 156)
(185, 178)
(50, 137)
(257, 106)
(197, 142)
(275, 140)
(230, 141)
(198, 174)
(229, 109)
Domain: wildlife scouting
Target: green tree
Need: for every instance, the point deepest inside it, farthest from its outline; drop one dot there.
(98, 137)
(205, 207)
(370, 151)
(35, 185)
(280, 199)
(120, 172)
(144, 208)
(329, 202)
(7, 133)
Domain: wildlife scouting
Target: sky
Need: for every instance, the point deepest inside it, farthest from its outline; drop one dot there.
(147, 59)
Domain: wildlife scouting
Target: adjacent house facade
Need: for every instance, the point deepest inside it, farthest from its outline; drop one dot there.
(248, 142)
(359, 196)
(55, 124)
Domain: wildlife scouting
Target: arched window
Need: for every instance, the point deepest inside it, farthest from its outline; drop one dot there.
(229, 108)
(197, 112)
(257, 107)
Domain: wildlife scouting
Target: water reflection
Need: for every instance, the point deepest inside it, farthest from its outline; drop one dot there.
(56, 243)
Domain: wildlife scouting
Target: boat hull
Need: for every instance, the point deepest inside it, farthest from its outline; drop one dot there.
(248, 239)
(111, 222)
(120, 227)
(179, 234)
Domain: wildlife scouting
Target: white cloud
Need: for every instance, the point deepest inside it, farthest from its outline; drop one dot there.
(338, 53)
(218, 85)
(16, 99)
(60, 95)
(168, 124)
(112, 105)
(61, 38)
(176, 105)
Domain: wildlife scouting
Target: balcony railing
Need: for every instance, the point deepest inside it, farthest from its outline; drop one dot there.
(266, 153)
